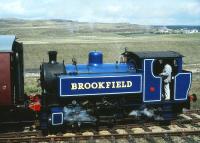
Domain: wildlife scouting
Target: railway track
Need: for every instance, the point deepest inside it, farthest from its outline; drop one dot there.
(187, 126)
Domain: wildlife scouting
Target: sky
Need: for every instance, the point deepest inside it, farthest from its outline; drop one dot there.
(145, 12)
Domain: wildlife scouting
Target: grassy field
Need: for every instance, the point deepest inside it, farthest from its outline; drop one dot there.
(112, 47)
(74, 39)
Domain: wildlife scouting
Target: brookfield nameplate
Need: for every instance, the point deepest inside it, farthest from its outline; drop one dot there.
(100, 85)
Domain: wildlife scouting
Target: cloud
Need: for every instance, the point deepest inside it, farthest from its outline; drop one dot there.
(132, 11)
(192, 8)
(12, 8)
(114, 8)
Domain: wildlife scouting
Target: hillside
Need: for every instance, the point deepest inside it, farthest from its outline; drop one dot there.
(76, 39)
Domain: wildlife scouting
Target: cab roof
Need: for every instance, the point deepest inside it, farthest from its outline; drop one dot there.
(6, 43)
(156, 54)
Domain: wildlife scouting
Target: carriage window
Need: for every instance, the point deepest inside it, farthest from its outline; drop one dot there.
(157, 67)
(160, 63)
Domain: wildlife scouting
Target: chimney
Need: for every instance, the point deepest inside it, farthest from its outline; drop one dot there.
(52, 56)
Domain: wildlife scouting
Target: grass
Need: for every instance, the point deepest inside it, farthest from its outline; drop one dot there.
(32, 85)
(195, 89)
(112, 47)
(74, 39)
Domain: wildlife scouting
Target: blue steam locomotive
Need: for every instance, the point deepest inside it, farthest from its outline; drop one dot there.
(136, 86)
(147, 85)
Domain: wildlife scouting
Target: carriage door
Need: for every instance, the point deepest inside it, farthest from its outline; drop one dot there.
(5, 79)
(152, 85)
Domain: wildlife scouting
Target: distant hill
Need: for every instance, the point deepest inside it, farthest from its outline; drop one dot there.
(178, 27)
(189, 27)
(73, 26)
